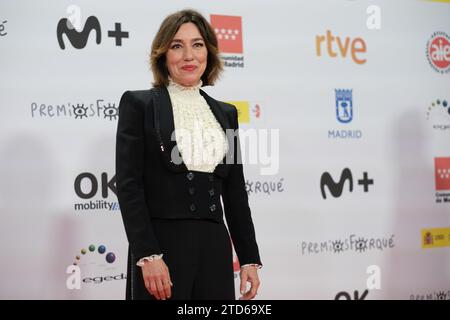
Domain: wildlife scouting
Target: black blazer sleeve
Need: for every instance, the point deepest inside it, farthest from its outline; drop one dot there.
(235, 200)
(130, 177)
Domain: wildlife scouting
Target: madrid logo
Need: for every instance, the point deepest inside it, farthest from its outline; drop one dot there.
(438, 52)
(344, 105)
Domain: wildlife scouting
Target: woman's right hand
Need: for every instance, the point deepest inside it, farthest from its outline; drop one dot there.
(157, 279)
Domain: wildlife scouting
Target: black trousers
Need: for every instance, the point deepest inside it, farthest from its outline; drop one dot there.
(199, 256)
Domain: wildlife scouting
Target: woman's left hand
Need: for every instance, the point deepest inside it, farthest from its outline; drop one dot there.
(250, 274)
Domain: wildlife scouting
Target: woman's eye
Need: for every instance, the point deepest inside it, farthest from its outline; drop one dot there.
(198, 44)
(175, 46)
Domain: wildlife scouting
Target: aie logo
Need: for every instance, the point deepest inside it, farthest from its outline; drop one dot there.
(344, 105)
(336, 189)
(438, 52)
(79, 39)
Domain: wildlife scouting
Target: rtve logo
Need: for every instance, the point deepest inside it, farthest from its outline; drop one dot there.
(336, 46)
(228, 30)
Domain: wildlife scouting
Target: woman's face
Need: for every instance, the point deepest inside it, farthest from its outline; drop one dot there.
(187, 55)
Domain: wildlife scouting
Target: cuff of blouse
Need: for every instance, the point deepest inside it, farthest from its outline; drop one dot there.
(142, 261)
(258, 266)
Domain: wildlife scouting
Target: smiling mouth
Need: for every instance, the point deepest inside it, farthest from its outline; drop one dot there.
(189, 68)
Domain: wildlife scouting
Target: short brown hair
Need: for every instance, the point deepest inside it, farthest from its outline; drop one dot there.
(166, 33)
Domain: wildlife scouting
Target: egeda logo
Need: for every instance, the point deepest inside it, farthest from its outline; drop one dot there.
(90, 266)
(438, 113)
(88, 187)
(344, 115)
(79, 38)
(337, 188)
(110, 257)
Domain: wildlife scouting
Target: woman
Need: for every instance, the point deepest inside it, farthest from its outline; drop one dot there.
(177, 154)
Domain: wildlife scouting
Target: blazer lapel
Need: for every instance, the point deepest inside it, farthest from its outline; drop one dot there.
(164, 126)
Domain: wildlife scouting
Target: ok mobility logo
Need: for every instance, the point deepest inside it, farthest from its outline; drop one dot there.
(337, 188)
(88, 187)
(78, 37)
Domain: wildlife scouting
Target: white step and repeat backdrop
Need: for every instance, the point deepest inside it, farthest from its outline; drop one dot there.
(354, 96)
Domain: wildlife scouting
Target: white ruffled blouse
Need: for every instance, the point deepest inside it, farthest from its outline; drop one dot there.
(201, 140)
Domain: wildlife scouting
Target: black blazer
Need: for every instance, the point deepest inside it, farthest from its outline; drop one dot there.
(152, 184)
